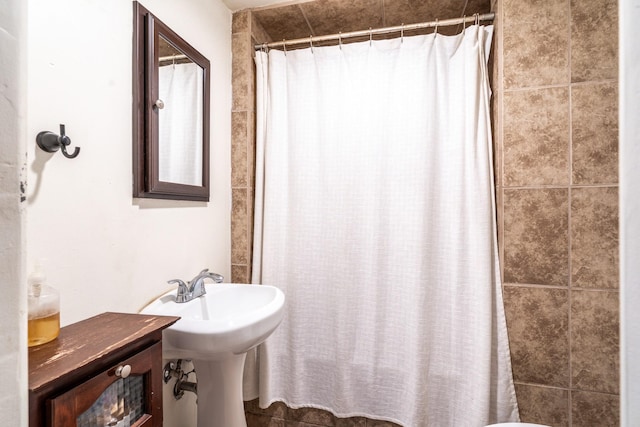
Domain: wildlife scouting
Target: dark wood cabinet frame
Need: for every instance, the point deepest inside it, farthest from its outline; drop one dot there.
(146, 180)
(65, 409)
(67, 374)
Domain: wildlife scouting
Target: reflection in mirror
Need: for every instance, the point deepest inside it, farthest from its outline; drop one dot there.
(171, 113)
(180, 120)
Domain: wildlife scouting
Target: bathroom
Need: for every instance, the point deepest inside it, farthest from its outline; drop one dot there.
(73, 66)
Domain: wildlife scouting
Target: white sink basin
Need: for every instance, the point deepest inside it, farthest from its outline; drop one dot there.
(215, 331)
(229, 318)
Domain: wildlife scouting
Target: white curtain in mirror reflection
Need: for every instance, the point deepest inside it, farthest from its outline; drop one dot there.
(120, 405)
(180, 124)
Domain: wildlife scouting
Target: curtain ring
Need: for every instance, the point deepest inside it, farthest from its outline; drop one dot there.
(477, 19)
(284, 45)
(464, 23)
(435, 31)
(340, 39)
(311, 42)
(370, 36)
(402, 33)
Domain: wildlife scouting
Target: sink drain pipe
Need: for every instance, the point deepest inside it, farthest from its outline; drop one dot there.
(174, 370)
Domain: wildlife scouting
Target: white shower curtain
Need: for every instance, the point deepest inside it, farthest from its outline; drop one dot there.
(375, 215)
(180, 123)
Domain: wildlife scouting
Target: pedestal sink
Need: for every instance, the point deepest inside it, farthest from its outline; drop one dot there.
(215, 331)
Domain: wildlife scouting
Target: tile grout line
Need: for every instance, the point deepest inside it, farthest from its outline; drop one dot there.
(500, 145)
(558, 186)
(304, 15)
(559, 85)
(250, 124)
(569, 223)
(558, 287)
(247, 180)
(384, 16)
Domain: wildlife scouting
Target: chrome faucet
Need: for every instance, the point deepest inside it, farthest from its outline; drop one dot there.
(195, 288)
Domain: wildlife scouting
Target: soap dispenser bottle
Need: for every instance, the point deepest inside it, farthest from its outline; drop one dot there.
(44, 309)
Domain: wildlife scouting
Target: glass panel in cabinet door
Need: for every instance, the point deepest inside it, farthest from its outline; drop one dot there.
(120, 405)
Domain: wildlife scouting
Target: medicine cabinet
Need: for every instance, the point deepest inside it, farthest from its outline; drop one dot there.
(171, 96)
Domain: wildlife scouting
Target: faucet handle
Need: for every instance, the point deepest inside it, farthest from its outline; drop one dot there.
(178, 281)
(183, 291)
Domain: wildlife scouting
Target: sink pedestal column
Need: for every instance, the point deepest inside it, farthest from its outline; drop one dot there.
(220, 401)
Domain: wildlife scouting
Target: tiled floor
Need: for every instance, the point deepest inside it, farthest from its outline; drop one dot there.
(278, 415)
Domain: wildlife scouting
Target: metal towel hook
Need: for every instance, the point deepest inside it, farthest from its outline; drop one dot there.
(51, 142)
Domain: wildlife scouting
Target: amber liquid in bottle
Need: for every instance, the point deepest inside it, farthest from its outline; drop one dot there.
(43, 329)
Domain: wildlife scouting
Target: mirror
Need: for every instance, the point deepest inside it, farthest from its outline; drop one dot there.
(170, 113)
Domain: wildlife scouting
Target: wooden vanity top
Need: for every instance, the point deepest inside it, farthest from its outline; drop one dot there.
(87, 346)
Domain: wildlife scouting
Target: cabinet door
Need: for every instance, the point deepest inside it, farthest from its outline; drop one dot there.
(107, 399)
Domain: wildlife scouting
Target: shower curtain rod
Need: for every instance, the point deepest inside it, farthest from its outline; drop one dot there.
(370, 32)
(172, 57)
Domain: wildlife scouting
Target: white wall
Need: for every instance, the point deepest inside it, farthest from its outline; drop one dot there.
(102, 249)
(13, 334)
(629, 13)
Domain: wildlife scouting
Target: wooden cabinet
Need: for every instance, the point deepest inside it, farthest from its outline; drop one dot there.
(92, 361)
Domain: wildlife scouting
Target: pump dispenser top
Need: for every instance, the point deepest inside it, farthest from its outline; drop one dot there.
(44, 309)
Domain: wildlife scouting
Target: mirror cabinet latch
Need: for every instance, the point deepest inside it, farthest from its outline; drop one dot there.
(51, 142)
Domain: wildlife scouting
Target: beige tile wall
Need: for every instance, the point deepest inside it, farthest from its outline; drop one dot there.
(556, 126)
(555, 116)
(242, 147)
